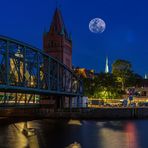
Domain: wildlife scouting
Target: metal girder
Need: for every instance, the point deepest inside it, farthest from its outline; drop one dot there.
(24, 68)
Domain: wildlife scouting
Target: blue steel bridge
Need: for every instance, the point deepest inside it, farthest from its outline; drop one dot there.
(27, 73)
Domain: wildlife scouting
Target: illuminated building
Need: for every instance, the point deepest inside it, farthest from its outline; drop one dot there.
(30, 79)
(84, 73)
(16, 78)
(142, 89)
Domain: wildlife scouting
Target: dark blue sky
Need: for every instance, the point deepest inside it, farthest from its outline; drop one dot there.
(125, 37)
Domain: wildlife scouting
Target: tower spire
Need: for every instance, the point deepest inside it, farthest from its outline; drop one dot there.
(56, 40)
(106, 66)
(145, 77)
(57, 25)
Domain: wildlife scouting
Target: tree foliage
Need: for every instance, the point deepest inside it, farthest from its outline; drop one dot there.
(122, 69)
(103, 86)
(89, 86)
(106, 86)
(112, 85)
(134, 80)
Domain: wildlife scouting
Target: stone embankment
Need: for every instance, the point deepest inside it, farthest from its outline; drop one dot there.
(98, 113)
(103, 113)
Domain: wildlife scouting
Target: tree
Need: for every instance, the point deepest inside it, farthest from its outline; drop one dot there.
(111, 85)
(89, 86)
(134, 80)
(106, 86)
(122, 70)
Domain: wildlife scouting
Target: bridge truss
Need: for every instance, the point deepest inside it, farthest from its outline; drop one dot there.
(27, 70)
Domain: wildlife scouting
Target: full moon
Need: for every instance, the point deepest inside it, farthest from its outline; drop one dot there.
(97, 25)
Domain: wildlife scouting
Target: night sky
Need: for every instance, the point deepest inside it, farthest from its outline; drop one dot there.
(125, 37)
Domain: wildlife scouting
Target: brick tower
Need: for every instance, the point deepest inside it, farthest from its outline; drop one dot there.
(57, 42)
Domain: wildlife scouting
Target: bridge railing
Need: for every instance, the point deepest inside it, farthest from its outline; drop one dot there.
(24, 68)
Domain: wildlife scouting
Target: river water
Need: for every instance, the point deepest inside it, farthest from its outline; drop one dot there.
(61, 133)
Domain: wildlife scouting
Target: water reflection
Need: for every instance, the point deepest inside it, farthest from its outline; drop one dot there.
(58, 133)
(14, 138)
(132, 135)
(20, 135)
(118, 134)
(113, 138)
(74, 122)
(74, 145)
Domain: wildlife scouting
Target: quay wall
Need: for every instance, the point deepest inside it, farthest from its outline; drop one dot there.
(99, 113)
(103, 113)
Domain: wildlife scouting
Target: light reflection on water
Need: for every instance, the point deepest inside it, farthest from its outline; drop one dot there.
(132, 135)
(10, 137)
(119, 138)
(60, 134)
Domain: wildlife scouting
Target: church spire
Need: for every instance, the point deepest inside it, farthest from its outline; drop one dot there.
(56, 40)
(106, 66)
(145, 77)
(57, 25)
